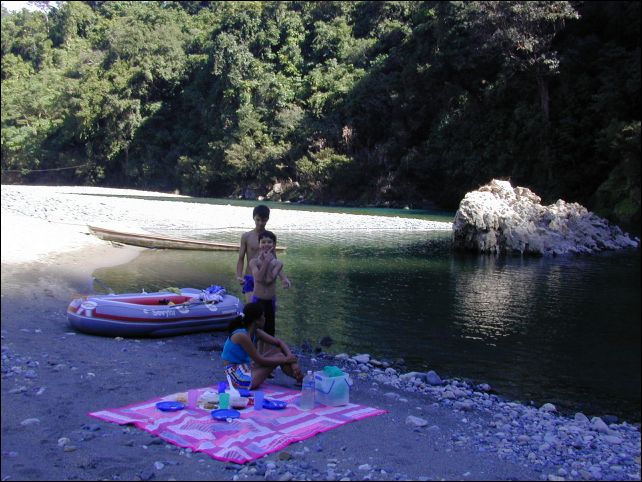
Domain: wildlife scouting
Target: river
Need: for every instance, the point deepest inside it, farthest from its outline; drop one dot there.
(564, 330)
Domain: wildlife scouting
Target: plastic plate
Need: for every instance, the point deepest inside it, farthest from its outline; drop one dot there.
(274, 404)
(170, 406)
(225, 413)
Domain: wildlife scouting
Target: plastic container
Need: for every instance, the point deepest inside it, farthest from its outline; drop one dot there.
(239, 402)
(306, 402)
(192, 398)
(332, 391)
(258, 400)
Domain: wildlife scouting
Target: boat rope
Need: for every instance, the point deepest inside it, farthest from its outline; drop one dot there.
(103, 285)
(18, 211)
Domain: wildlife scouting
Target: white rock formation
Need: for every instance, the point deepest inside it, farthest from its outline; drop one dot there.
(498, 218)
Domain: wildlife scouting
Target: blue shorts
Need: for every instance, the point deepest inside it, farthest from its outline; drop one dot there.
(269, 310)
(248, 287)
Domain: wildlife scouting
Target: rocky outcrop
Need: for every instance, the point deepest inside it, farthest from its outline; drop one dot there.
(287, 190)
(498, 218)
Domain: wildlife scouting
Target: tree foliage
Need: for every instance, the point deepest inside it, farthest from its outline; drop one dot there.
(388, 102)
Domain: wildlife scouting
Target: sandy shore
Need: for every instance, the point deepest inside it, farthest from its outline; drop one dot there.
(61, 213)
(52, 377)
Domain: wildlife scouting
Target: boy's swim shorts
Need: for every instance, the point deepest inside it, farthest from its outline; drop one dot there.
(269, 310)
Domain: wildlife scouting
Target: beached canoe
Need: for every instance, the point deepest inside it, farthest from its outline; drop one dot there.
(152, 240)
(153, 314)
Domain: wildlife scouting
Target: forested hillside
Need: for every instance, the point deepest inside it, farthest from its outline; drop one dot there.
(386, 103)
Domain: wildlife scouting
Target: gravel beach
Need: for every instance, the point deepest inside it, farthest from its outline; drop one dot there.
(52, 377)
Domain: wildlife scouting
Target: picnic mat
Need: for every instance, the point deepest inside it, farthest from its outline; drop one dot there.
(253, 435)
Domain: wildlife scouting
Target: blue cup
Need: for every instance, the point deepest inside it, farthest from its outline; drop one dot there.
(222, 386)
(258, 400)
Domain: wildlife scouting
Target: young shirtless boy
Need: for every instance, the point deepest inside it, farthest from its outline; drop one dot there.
(266, 268)
(250, 249)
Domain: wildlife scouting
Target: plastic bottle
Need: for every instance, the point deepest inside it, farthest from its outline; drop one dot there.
(307, 392)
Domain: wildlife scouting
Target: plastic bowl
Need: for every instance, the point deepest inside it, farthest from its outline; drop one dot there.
(239, 402)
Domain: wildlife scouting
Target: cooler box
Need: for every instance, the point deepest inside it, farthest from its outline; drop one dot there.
(332, 391)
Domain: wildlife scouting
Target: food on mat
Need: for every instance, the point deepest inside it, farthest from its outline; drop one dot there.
(239, 402)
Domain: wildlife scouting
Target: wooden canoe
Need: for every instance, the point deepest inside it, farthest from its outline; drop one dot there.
(152, 240)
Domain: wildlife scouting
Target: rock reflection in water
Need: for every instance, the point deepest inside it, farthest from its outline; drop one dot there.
(493, 300)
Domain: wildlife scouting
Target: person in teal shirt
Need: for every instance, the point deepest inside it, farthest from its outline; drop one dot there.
(248, 366)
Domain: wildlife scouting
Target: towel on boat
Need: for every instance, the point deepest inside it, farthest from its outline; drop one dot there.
(214, 294)
(253, 435)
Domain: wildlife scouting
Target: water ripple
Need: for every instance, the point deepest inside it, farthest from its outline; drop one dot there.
(564, 329)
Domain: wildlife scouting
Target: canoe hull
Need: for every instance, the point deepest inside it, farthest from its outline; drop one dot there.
(151, 240)
(158, 241)
(151, 314)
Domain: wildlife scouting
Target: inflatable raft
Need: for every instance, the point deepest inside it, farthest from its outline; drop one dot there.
(153, 314)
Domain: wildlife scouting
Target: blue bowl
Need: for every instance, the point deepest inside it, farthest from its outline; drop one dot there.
(170, 406)
(223, 414)
(274, 404)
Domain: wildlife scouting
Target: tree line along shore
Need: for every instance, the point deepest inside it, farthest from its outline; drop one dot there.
(381, 103)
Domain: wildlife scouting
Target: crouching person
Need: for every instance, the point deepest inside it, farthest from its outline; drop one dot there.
(247, 365)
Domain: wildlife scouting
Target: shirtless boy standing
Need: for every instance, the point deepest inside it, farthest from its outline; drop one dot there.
(266, 268)
(250, 249)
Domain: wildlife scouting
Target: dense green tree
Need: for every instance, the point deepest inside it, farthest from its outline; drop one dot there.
(366, 102)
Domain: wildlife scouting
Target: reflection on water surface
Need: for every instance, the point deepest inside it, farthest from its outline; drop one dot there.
(564, 330)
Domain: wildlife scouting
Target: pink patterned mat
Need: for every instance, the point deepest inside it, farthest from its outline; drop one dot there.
(254, 434)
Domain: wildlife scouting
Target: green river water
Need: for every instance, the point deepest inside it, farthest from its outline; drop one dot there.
(564, 330)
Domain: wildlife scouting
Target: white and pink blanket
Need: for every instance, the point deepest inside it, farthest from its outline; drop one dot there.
(254, 434)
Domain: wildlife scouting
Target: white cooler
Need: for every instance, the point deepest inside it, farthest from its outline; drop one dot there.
(332, 391)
